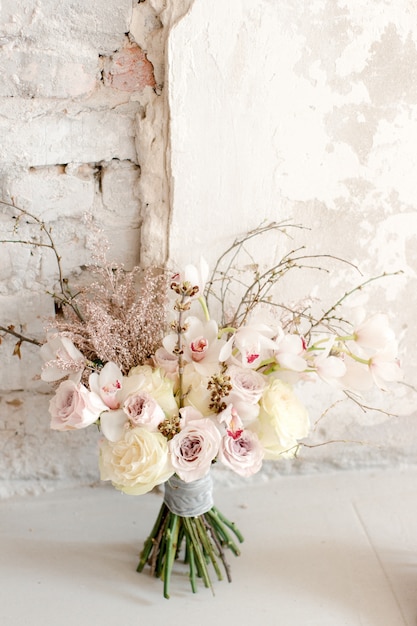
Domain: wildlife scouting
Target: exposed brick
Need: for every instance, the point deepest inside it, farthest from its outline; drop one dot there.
(129, 70)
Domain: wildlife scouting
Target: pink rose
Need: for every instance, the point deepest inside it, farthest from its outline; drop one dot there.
(167, 362)
(241, 452)
(194, 448)
(247, 389)
(73, 406)
(143, 410)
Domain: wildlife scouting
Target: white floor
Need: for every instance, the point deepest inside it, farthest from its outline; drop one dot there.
(324, 550)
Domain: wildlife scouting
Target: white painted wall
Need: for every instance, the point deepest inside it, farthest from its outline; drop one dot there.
(306, 111)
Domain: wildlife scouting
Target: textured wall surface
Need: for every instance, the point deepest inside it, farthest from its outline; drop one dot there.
(307, 111)
(83, 124)
(298, 110)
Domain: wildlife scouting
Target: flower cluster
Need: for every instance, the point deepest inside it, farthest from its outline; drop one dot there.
(209, 393)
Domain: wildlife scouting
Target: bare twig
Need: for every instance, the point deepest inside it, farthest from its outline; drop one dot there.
(66, 295)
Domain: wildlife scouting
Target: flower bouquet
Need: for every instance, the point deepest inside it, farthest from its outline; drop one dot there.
(173, 391)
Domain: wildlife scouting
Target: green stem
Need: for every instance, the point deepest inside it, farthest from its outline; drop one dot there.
(207, 545)
(226, 329)
(191, 561)
(188, 522)
(217, 543)
(150, 542)
(230, 524)
(204, 306)
(358, 359)
(171, 549)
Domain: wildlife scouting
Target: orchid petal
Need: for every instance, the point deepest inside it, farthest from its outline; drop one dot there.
(112, 424)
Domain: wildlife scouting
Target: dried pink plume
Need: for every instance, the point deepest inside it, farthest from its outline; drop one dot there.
(124, 316)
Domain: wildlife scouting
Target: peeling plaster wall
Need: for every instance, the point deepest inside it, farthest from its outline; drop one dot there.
(297, 110)
(307, 111)
(84, 139)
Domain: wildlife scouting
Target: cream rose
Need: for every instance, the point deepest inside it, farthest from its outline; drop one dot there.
(282, 422)
(197, 393)
(136, 463)
(73, 406)
(194, 448)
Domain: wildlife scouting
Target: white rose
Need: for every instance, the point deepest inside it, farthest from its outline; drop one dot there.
(73, 406)
(242, 453)
(136, 463)
(282, 422)
(194, 448)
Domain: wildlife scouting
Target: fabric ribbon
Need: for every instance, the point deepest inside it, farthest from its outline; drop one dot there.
(189, 499)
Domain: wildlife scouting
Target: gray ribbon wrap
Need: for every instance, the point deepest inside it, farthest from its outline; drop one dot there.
(189, 499)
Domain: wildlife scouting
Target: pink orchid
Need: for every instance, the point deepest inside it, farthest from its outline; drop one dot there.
(107, 384)
(234, 424)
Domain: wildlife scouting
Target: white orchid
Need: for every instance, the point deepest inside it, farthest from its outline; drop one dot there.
(62, 359)
(290, 352)
(194, 277)
(249, 345)
(200, 344)
(385, 366)
(329, 367)
(374, 332)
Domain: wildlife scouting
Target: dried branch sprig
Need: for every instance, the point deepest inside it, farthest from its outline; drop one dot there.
(256, 285)
(11, 330)
(257, 289)
(64, 296)
(119, 317)
(328, 315)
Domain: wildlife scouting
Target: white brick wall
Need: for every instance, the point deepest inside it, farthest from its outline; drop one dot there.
(83, 127)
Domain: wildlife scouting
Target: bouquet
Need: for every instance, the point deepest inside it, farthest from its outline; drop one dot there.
(173, 390)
